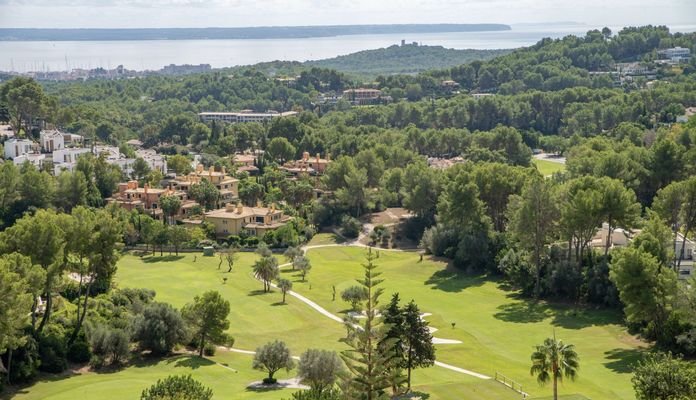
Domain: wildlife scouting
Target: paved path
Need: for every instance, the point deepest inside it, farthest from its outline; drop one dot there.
(336, 318)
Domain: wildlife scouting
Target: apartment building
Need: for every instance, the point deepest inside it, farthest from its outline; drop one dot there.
(362, 96)
(243, 116)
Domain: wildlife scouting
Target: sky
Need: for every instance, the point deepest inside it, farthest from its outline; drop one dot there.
(238, 13)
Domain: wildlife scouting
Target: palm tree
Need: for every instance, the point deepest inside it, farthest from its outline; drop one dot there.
(266, 269)
(553, 360)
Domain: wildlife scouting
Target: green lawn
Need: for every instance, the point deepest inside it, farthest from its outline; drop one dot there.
(256, 318)
(325, 238)
(130, 382)
(547, 167)
(497, 330)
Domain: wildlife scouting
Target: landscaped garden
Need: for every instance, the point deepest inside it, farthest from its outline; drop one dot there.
(497, 329)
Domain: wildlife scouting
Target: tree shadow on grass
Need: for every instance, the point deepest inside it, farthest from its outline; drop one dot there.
(191, 362)
(451, 280)
(263, 389)
(279, 303)
(523, 312)
(257, 292)
(581, 317)
(623, 361)
(414, 395)
(12, 391)
(169, 258)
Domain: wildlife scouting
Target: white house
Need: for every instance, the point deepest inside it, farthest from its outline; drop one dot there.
(17, 147)
(51, 140)
(619, 237)
(154, 161)
(66, 159)
(34, 158)
(109, 152)
(689, 247)
(69, 155)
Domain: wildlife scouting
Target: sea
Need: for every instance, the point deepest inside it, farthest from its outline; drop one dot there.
(25, 56)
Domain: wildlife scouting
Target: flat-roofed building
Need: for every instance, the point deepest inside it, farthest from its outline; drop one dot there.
(53, 139)
(17, 147)
(675, 54)
(235, 219)
(37, 159)
(243, 116)
(362, 96)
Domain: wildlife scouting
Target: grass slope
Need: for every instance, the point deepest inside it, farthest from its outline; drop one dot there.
(408, 59)
(547, 167)
(130, 382)
(497, 328)
(256, 318)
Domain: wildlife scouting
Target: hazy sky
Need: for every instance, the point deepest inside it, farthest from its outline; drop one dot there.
(230, 13)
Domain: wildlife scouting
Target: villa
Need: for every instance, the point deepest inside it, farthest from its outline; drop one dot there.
(130, 196)
(308, 165)
(227, 185)
(236, 219)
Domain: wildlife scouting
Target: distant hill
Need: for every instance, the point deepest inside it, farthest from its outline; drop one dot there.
(406, 59)
(259, 32)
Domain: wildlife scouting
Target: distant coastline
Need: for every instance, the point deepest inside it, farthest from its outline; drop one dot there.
(271, 32)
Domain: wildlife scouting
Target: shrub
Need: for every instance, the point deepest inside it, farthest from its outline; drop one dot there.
(350, 227)
(25, 361)
(118, 346)
(97, 361)
(177, 387)
(70, 290)
(159, 328)
(209, 349)
(52, 353)
(437, 240)
(79, 352)
(108, 344)
(319, 368)
(313, 394)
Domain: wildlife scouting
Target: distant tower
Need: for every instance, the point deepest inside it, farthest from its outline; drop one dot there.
(403, 42)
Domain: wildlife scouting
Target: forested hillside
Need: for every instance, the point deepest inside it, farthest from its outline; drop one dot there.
(405, 59)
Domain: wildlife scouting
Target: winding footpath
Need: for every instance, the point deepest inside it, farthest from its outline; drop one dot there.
(326, 313)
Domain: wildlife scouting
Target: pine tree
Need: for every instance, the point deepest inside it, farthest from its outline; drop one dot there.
(393, 319)
(417, 341)
(368, 367)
